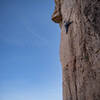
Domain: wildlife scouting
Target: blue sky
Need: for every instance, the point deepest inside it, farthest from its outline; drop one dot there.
(30, 66)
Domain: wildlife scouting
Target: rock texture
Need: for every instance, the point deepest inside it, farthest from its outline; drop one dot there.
(79, 48)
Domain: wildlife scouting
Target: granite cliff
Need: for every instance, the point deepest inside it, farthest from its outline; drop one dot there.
(79, 21)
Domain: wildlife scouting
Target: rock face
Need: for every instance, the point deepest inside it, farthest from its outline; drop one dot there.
(79, 48)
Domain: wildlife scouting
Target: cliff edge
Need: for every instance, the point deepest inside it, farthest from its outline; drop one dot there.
(79, 48)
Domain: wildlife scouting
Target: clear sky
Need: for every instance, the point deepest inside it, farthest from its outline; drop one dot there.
(30, 66)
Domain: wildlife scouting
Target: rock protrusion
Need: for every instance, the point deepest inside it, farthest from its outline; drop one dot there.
(57, 17)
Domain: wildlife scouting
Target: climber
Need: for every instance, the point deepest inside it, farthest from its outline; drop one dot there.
(67, 25)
